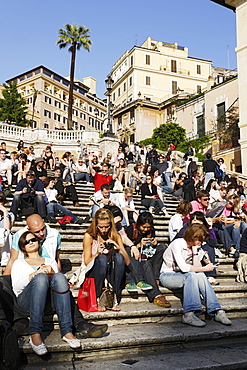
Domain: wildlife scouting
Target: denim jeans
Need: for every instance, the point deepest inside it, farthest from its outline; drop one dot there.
(52, 208)
(100, 272)
(236, 233)
(223, 235)
(193, 284)
(152, 202)
(36, 201)
(168, 176)
(34, 299)
(82, 176)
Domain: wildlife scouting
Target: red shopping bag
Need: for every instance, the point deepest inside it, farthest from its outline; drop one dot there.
(87, 296)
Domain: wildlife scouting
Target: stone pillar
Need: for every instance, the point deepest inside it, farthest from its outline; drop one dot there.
(109, 144)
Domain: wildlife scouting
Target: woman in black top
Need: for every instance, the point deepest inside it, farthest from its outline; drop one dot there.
(150, 197)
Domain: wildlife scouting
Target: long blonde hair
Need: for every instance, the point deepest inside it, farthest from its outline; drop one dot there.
(103, 214)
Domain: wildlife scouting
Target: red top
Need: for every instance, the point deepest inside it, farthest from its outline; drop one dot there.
(100, 179)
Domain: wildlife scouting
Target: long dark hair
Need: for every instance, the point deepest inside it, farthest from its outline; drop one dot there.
(200, 217)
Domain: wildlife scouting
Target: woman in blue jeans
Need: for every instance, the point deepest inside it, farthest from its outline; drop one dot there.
(39, 287)
(103, 245)
(182, 268)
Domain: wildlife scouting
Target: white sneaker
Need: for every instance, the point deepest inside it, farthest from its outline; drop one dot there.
(193, 320)
(232, 252)
(221, 317)
(73, 343)
(40, 349)
(218, 253)
(213, 281)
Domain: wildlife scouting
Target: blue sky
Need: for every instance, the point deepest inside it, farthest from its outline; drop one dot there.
(29, 31)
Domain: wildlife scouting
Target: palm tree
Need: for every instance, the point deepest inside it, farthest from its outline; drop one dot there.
(74, 37)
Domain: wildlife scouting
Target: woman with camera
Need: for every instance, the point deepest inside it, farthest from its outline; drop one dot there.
(39, 287)
(103, 245)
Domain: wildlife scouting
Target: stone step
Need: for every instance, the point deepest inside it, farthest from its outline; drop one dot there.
(132, 339)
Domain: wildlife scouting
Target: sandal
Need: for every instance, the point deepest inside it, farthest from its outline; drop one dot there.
(116, 307)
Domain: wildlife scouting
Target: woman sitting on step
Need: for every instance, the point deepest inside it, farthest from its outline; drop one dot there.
(103, 245)
(40, 287)
(150, 197)
(146, 248)
(182, 268)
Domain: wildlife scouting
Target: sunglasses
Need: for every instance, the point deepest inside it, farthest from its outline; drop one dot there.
(206, 199)
(32, 240)
(103, 227)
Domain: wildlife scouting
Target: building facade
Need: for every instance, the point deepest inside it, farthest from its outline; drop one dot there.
(147, 78)
(47, 96)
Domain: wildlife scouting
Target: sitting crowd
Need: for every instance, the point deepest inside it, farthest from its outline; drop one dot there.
(120, 245)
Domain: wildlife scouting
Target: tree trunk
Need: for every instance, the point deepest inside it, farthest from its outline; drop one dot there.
(72, 72)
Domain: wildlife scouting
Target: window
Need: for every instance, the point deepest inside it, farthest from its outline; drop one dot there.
(119, 92)
(75, 112)
(174, 87)
(83, 116)
(66, 83)
(148, 80)
(65, 120)
(21, 78)
(200, 126)
(148, 59)
(29, 75)
(33, 124)
(37, 72)
(198, 69)
(46, 73)
(130, 81)
(102, 115)
(119, 122)
(124, 87)
(81, 92)
(221, 117)
(47, 113)
(65, 107)
(131, 60)
(132, 116)
(29, 100)
(57, 117)
(91, 121)
(199, 89)
(56, 78)
(113, 96)
(174, 66)
(57, 104)
(90, 109)
(82, 128)
(47, 99)
(46, 125)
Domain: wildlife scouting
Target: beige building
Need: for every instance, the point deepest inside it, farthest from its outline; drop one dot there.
(240, 7)
(146, 78)
(47, 95)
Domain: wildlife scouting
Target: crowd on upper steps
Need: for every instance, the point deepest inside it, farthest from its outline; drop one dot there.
(120, 244)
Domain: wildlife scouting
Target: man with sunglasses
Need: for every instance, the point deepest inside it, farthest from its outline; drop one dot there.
(50, 247)
(82, 172)
(100, 178)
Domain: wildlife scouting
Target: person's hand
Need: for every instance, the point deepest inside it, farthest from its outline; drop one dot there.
(46, 269)
(154, 241)
(209, 267)
(101, 248)
(24, 190)
(223, 218)
(237, 223)
(144, 241)
(90, 157)
(134, 251)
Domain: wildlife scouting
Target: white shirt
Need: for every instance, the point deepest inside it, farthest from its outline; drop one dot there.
(121, 202)
(175, 223)
(176, 255)
(51, 194)
(21, 270)
(4, 165)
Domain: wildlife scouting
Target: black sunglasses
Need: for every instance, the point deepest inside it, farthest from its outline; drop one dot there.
(32, 240)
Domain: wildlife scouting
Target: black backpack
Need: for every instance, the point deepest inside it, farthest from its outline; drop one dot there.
(10, 357)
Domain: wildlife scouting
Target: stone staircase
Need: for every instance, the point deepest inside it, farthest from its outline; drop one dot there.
(140, 325)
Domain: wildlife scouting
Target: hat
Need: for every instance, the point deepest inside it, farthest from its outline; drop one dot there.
(39, 159)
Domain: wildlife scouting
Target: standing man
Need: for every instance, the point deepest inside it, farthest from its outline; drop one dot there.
(209, 166)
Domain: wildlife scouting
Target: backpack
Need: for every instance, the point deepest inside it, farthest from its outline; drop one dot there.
(218, 172)
(10, 357)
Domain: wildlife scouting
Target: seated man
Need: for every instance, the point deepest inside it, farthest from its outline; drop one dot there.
(29, 192)
(5, 167)
(100, 199)
(50, 247)
(81, 170)
(65, 189)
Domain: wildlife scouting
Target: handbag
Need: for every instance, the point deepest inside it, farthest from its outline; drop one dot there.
(107, 297)
(87, 296)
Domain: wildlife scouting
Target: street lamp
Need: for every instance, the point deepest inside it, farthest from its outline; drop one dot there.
(109, 82)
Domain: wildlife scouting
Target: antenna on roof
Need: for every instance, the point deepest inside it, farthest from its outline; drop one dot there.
(136, 40)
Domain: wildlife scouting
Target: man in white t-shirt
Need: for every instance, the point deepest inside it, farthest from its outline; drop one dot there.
(101, 198)
(5, 167)
(81, 170)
